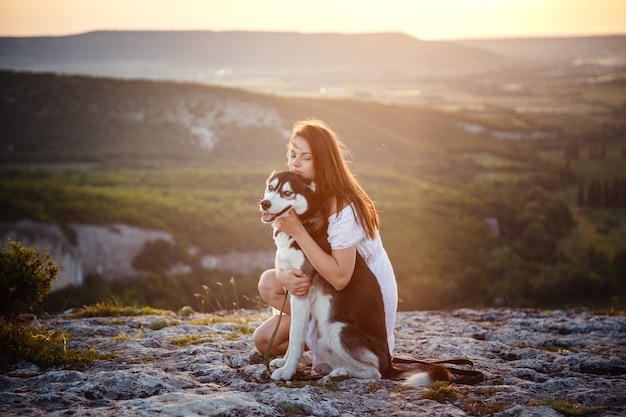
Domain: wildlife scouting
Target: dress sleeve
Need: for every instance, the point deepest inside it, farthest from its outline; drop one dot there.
(344, 230)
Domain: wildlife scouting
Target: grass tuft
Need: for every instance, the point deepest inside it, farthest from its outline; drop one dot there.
(42, 347)
(442, 392)
(114, 309)
(192, 339)
(567, 408)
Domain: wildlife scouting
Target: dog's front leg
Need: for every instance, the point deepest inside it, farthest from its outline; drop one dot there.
(300, 313)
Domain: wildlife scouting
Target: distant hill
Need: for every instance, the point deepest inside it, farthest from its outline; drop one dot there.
(606, 50)
(297, 60)
(48, 118)
(195, 54)
(241, 50)
(381, 66)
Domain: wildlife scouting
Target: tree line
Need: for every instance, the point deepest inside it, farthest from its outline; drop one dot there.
(572, 151)
(463, 265)
(603, 193)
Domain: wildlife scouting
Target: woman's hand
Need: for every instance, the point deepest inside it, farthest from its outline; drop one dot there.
(294, 281)
(291, 225)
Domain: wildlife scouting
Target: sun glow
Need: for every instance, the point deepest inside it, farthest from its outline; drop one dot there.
(424, 19)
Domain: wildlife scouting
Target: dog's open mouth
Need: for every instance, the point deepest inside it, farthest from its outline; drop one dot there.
(268, 217)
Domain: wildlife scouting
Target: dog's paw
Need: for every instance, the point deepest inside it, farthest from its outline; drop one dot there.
(339, 373)
(278, 362)
(283, 374)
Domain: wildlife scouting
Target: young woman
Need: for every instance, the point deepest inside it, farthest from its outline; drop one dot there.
(316, 152)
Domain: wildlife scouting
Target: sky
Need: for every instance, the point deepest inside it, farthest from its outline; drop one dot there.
(422, 19)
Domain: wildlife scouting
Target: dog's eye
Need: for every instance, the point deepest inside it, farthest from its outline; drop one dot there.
(270, 188)
(287, 193)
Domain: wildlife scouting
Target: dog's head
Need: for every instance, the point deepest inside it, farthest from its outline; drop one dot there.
(284, 191)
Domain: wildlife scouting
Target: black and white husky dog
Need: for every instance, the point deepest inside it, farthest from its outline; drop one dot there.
(352, 336)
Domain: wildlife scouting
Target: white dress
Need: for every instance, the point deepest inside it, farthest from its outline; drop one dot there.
(345, 231)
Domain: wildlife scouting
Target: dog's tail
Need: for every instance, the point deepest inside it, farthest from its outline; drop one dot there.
(420, 374)
(426, 377)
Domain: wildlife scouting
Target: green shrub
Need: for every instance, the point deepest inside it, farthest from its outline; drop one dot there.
(25, 279)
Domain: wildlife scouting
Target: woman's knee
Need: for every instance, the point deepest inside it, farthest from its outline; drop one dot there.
(260, 338)
(267, 284)
(263, 334)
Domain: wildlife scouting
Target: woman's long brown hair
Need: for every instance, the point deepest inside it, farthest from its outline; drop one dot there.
(333, 177)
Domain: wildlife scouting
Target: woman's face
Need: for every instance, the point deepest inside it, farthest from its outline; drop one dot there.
(300, 158)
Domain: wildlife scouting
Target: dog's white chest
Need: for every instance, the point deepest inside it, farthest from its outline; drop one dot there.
(286, 256)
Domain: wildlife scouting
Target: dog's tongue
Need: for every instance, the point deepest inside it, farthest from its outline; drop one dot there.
(267, 217)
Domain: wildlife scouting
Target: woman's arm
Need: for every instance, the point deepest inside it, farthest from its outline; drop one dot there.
(336, 267)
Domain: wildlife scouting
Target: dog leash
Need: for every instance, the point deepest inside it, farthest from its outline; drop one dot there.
(270, 343)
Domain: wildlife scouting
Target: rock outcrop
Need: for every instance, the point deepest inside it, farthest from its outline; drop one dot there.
(109, 250)
(535, 362)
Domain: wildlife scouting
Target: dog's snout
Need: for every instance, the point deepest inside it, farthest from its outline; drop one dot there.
(265, 204)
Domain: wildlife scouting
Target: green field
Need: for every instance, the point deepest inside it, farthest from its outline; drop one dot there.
(109, 151)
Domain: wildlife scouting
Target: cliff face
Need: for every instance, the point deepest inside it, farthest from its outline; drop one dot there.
(206, 365)
(109, 250)
(104, 250)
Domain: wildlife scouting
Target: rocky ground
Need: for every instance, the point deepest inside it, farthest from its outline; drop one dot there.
(537, 363)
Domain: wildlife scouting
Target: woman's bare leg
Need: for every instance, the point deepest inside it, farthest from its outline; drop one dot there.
(274, 295)
(263, 333)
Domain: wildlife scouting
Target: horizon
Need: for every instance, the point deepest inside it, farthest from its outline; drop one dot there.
(420, 19)
(519, 37)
